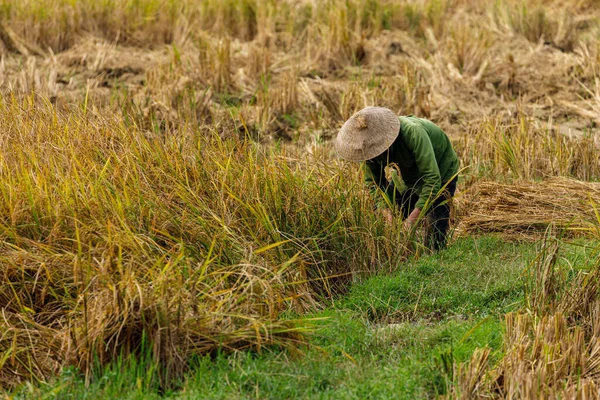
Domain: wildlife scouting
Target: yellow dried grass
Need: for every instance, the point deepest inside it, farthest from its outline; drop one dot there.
(526, 209)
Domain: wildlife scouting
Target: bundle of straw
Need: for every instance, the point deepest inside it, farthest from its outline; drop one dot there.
(525, 209)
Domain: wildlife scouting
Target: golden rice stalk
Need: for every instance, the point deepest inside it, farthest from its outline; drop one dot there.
(471, 375)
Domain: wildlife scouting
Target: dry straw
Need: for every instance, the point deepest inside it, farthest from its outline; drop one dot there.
(526, 209)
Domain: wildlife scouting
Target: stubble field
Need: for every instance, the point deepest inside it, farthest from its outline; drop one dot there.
(174, 221)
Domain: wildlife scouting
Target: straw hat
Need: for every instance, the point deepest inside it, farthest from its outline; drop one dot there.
(367, 134)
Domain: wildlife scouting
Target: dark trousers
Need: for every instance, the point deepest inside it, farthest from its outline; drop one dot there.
(437, 217)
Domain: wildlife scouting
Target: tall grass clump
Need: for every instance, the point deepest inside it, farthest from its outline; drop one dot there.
(57, 24)
(114, 239)
(340, 25)
(538, 22)
(523, 149)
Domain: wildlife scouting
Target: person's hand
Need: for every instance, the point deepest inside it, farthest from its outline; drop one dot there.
(387, 216)
(412, 219)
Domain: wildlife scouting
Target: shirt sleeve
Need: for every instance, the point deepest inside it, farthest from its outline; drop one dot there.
(420, 145)
(380, 189)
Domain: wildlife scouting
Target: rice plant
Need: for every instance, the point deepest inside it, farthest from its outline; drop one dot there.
(168, 190)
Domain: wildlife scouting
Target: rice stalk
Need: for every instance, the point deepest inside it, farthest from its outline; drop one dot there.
(114, 240)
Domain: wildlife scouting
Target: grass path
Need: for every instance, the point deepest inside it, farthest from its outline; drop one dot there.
(392, 336)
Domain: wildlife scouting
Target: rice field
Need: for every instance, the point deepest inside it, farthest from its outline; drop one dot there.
(169, 191)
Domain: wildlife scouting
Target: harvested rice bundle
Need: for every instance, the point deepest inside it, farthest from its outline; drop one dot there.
(526, 209)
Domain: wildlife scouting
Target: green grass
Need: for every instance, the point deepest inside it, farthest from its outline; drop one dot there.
(474, 277)
(393, 335)
(355, 360)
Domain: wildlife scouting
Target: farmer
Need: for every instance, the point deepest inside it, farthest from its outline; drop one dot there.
(408, 162)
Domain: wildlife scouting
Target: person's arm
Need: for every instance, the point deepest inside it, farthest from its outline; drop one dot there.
(420, 145)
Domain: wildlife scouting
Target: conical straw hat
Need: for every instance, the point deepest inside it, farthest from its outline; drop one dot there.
(367, 134)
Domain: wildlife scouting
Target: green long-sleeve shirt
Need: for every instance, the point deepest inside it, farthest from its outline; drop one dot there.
(424, 156)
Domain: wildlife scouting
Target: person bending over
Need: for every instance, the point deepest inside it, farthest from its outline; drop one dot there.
(408, 162)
